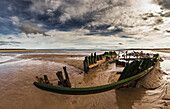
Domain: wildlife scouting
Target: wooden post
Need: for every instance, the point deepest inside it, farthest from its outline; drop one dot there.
(95, 58)
(89, 60)
(92, 59)
(129, 57)
(85, 66)
(67, 81)
(114, 53)
(110, 53)
(126, 54)
(60, 77)
(65, 72)
(142, 54)
(118, 55)
(123, 56)
(88, 64)
(41, 80)
(37, 79)
(46, 79)
(107, 58)
(98, 58)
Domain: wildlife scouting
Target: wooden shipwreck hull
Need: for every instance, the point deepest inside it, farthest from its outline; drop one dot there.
(97, 89)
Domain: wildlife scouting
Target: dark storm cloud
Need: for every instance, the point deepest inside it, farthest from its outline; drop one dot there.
(30, 28)
(11, 8)
(163, 3)
(53, 14)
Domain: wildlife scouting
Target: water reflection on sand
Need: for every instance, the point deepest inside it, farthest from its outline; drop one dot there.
(16, 88)
(126, 98)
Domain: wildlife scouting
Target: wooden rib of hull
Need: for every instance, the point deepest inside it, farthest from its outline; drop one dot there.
(93, 90)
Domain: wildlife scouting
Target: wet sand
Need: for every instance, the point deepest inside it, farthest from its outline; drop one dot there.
(18, 92)
(166, 51)
(65, 59)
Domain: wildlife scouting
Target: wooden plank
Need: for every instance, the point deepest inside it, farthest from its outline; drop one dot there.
(67, 81)
(60, 77)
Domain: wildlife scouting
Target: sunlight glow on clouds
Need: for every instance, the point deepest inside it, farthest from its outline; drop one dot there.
(84, 24)
(74, 39)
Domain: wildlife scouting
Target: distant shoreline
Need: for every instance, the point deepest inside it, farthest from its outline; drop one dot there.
(32, 50)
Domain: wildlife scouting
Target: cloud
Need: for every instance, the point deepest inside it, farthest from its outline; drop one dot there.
(9, 43)
(73, 9)
(31, 28)
(78, 39)
(15, 20)
(103, 23)
(43, 6)
(72, 14)
(163, 3)
(7, 27)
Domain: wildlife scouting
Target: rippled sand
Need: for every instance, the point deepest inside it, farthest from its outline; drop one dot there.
(18, 92)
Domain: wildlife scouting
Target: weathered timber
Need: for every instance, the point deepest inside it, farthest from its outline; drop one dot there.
(91, 90)
(98, 58)
(137, 66)
(95, 57)
(130, 70)
(46, 79)
(92, 61)
(85, 66)
(37, 79)
(107, 58)
(87, 60)
(67, 81)
(126, 54)
(60, 77)
(120, 63)
(41, 80)
(111, 53)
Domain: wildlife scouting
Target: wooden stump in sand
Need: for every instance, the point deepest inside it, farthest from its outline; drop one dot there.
(60, 77)
(67, 81)
(46, 79)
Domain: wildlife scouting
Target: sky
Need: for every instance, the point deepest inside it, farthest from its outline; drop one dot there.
(84, 24)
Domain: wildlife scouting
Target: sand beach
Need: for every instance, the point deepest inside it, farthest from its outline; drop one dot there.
(18, 70)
